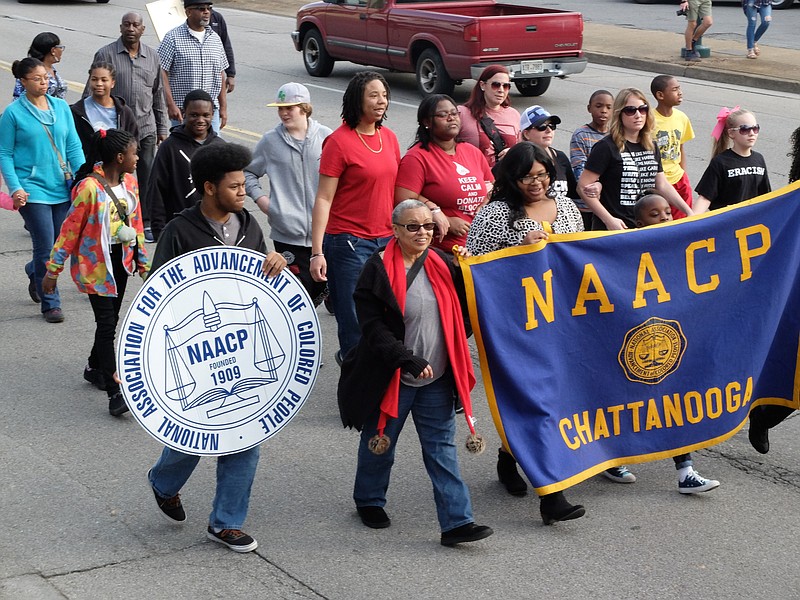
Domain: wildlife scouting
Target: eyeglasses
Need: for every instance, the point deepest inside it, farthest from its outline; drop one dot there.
(415, 227)
(37, 79)
(496, 85)
(632, 110)
(745, 129)
(544, 127)
(529, 179)
(443, 114)
(59, 47)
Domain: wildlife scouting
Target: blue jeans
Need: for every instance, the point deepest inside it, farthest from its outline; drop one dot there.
(433, 410)
(345, 255)
(44, 224)
(235, 474)
(751, 12)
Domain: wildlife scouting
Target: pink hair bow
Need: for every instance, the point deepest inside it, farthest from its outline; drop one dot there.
(722, 118)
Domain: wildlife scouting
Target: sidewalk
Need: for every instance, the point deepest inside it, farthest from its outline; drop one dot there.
(659, 51)
(646, 50)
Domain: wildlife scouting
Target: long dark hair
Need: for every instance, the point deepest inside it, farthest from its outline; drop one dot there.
(425, 113)
(42, 44)
(353, 99)
(104, 147)
(516, 164)
(477, 101)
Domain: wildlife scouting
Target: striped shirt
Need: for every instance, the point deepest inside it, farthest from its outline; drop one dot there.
(191, 64)
(138, 82)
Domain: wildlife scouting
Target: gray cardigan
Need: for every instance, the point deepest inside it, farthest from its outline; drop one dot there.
(292, 167)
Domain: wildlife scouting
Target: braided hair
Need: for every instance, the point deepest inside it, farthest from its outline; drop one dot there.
(104, 147)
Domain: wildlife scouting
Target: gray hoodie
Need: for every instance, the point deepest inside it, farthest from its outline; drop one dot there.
(292, 167)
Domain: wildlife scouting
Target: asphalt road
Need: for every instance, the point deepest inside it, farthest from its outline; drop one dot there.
(78, 518)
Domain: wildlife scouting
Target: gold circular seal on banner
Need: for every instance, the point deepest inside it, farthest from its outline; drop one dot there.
(652, 351)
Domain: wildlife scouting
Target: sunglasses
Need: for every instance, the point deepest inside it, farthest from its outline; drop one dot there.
(545, 127)
(496, 85)
(632, 110)
(59, 47)
(415, 227)
(745, 129)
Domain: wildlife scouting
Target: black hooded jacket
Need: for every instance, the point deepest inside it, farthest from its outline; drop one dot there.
(125, 120)
(190, 231)
(171, 189)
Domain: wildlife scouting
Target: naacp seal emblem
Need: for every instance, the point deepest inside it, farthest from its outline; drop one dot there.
(653, 350)
(214, 357)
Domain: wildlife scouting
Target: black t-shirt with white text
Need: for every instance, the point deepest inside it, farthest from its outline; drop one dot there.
(732, 178)
(624, 176)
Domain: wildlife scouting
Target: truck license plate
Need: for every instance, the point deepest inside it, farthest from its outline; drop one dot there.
(532, 66)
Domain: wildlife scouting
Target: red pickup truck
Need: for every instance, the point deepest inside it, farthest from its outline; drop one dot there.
(442, 42)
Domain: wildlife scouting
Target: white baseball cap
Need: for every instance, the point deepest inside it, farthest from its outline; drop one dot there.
(291, 94)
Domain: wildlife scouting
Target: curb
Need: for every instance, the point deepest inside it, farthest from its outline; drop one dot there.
(696, 72)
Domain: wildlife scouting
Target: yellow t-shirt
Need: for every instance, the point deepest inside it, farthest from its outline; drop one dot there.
(669, 133)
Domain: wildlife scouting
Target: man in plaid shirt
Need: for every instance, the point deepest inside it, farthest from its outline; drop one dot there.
(192, 57)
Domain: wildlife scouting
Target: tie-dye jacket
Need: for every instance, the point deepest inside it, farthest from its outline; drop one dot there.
(86, 238)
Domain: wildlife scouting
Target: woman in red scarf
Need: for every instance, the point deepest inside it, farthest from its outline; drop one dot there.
(413, 359)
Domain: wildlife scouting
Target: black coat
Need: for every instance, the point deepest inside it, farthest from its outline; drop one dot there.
(368, 368)
(125, 120)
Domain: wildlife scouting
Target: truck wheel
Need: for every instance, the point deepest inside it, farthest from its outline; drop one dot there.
(432, 77)
(315, 57)
(779, 4)
(533, 87)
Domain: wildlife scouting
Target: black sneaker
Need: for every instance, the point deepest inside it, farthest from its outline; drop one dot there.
(170, 508)
(235, 539)
(32, 291)
(116, 405)
(374, 517)
(466, 533)
(95, 377)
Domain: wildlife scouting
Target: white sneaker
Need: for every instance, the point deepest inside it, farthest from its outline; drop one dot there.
(694, 483)
(619, 474)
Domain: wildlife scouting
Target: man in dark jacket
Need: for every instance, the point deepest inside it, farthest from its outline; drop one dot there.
(171, 188)
(218, 219)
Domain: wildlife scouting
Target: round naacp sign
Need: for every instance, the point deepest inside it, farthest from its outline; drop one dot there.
(214, 357)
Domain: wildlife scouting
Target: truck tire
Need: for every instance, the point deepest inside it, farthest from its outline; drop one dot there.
(533, 87)
(315, 57)
(432, 77)
(780, 4)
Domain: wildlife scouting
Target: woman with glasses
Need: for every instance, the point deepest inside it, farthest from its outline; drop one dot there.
(488, 121)
(736, 172)
(47, 48)
(520, 202)
(451, 177)
(626, 163)
(413, 358)
(39, 152)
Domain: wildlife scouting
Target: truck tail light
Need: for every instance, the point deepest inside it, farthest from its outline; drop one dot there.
(472, 32)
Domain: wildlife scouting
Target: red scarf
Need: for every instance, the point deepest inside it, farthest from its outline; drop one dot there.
(452, 327)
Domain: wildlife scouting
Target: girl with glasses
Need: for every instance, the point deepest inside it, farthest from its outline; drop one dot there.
(487, 119)
(736, 172)
(47, 48)
(451, 177)
(625, 163)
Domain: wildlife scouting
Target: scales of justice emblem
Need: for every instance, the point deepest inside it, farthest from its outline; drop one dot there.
(213, 356)
(216, 331)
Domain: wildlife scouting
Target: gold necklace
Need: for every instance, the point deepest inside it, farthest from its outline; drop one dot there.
(363, 141)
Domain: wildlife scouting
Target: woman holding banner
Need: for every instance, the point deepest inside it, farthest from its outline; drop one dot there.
(412, 358)
(522, 206)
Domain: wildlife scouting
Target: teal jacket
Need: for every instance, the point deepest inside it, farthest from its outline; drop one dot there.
(27, 158)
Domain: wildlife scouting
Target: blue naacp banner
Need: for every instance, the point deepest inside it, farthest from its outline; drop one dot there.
(606, 348)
